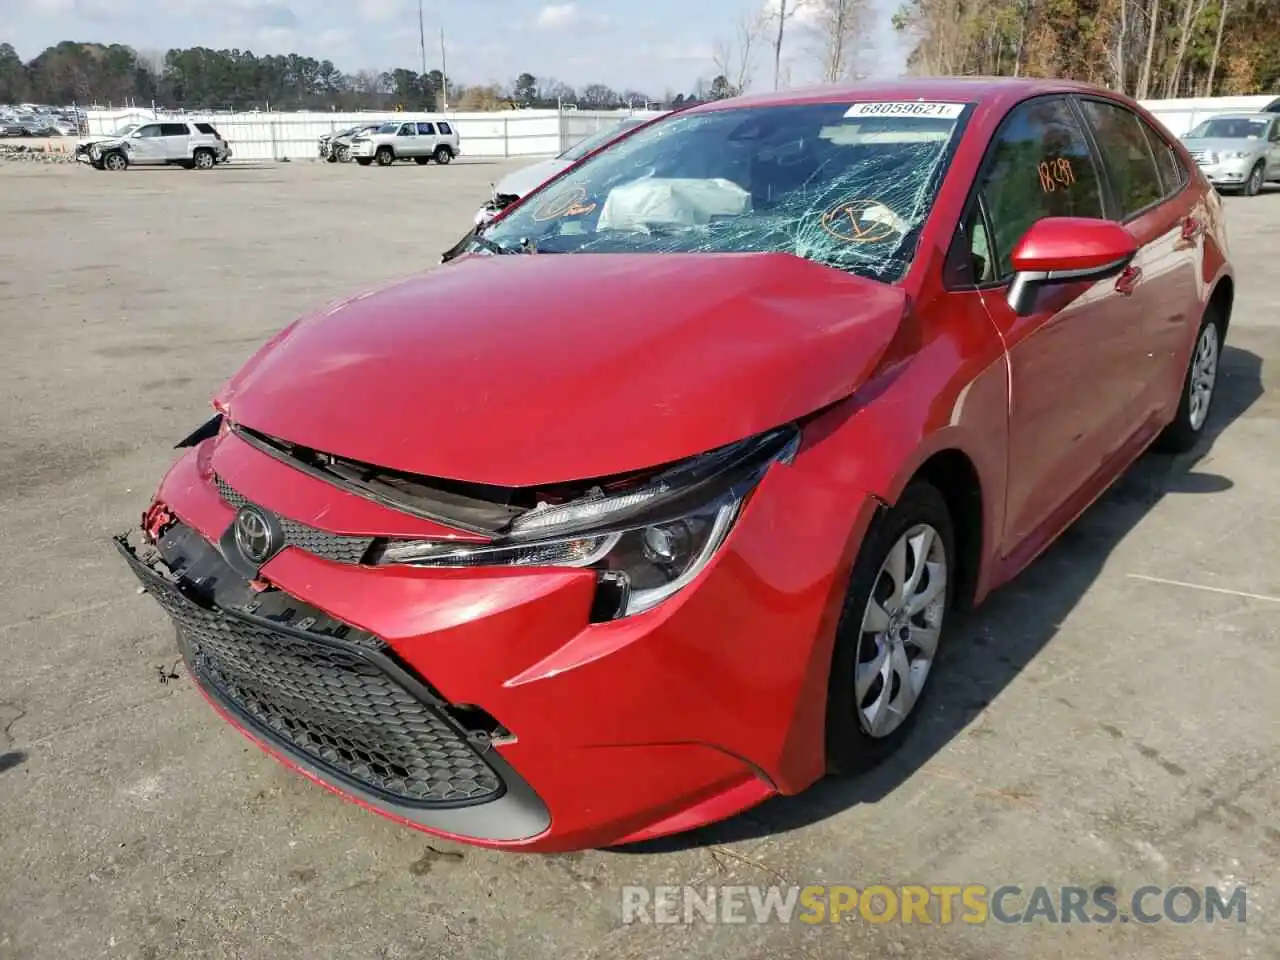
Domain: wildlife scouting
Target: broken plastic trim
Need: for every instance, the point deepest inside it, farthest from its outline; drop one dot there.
(515, 515)
(201, 433)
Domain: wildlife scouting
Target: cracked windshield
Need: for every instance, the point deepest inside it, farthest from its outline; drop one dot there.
(848, 185)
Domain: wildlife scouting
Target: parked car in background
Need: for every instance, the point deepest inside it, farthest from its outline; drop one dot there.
(659, 499)
(419, 140)
(336, 147)
(194, 145)
(1237, 151)
(519, 182)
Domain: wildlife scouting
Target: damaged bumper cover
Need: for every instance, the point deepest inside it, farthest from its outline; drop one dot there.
(520, 717)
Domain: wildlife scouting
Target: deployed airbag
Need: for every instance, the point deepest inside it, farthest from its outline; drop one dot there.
(657, 201)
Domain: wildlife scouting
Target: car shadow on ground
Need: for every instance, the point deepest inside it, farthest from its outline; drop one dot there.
(989, 647)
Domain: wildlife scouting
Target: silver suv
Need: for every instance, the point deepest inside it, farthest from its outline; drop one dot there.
(1237, 150)
(419, 140)
(194, 145)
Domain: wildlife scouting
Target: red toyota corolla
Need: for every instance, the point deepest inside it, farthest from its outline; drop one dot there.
(653, 502)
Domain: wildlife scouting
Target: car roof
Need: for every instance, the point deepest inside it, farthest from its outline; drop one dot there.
(982, 90)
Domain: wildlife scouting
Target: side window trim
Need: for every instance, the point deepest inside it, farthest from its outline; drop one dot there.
(1115, 204)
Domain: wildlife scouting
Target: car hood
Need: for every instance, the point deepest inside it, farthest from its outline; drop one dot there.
(1224, 144)
(526, 179)
(534, 369)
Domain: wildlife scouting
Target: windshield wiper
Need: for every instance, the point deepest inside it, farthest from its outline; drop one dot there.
(491, 246)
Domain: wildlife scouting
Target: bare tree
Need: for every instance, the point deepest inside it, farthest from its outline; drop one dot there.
(1144, 78)
(838, 27)
(786, 10)
(735, 59)
(1217, 49)
(1190, 12)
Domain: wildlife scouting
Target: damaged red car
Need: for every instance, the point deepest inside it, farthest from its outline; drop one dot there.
(657, 499)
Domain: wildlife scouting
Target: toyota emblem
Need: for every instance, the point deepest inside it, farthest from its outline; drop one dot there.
(255, 535)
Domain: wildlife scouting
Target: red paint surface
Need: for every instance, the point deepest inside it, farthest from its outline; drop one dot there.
(530, 369)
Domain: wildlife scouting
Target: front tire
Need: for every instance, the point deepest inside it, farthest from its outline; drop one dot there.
(1198, 389)
(1253, 186)
(890, 630)
(115, 161)
(385, 157)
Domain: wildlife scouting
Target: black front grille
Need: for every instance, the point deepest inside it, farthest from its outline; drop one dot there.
(341, 703)
(331, 546)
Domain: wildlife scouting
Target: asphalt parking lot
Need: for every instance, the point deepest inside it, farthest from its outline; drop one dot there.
(1111, 717)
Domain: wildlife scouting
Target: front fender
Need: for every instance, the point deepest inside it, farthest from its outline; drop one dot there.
(950, 394)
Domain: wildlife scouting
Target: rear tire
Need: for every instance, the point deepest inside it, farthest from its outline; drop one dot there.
(443, 155)
(1199, 387)
(891, 630)
(202, 160)
(385, 157)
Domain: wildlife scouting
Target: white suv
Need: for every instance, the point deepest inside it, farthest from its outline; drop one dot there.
(196, 146)
(419, 140)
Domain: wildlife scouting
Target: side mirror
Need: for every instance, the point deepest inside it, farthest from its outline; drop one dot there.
(1059, 250)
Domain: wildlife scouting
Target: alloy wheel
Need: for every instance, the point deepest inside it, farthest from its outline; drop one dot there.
(1204, 374)
(900, 630)
(113, 161)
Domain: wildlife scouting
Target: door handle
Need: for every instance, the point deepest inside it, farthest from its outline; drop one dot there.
(1128, 280)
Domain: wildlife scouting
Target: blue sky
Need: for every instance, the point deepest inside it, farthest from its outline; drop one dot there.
(651, 46)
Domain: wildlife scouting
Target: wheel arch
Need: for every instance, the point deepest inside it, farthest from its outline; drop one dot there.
(955, 476)
(1221, 299)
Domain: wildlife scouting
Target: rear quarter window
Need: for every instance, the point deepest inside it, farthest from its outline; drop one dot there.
(207, 128)
(445, 128)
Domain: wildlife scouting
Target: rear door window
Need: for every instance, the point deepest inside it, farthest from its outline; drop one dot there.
(1126, 154)
(174, 130)
(427, 129)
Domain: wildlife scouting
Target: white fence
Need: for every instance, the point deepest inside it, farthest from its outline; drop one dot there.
(514, 133)
(293, 136)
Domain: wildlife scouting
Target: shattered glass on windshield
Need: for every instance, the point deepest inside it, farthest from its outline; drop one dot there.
(849, 186)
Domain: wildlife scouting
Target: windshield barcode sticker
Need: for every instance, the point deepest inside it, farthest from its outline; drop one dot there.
(909, 108)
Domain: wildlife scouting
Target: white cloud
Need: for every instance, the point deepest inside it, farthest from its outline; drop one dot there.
(558, 15)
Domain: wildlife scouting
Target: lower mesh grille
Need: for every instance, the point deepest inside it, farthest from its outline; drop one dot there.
(331, 546)
(332, 701)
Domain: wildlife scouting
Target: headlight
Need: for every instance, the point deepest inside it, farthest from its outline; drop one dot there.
(1237, 155)
(645, 543)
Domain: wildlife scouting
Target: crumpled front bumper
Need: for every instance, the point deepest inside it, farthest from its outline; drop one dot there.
(621, 731)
